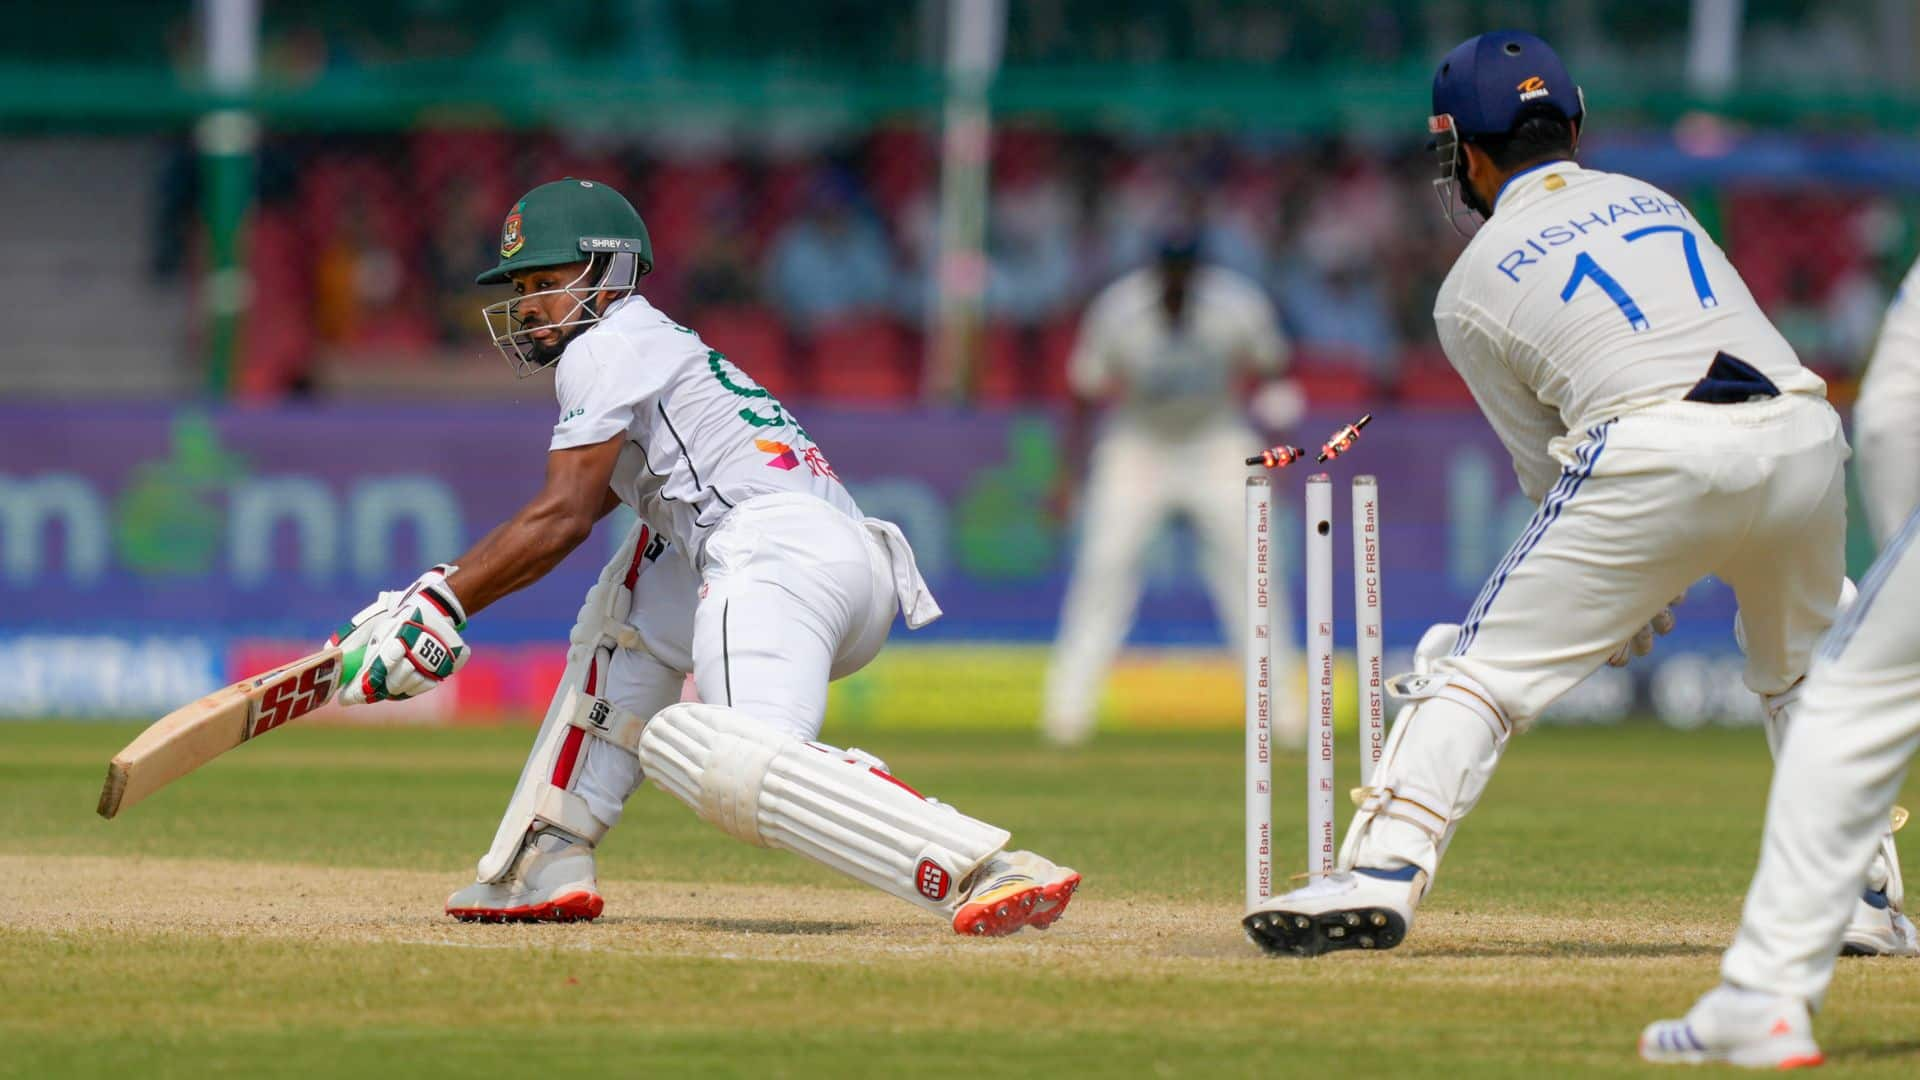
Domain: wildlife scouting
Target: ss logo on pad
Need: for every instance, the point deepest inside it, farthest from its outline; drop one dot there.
(932, 880)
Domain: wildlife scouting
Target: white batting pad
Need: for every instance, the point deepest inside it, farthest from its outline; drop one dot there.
(599, 626)
(771, 789)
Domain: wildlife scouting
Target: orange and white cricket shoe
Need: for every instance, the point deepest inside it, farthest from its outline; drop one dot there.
(551, 880)
(1014, 890)
(1738, 1027)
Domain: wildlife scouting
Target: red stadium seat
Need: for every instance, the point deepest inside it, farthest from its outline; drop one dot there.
(1024, 363)
(1056, 351)
(900, 165)
(754, 339)
(1426, 379)
(863, 360)
(1002, 359)
(1328, 379)
(277, 337)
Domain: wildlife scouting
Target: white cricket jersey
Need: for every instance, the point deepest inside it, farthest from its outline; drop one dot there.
(1886, 418)
(1175, 379)
(1895, 370)
(701, 436)
(1588, 295)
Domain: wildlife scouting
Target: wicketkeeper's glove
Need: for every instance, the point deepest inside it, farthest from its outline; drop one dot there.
(404, 643)
(1641, 643)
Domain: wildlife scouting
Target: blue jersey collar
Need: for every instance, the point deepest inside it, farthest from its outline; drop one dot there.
(1528, 171)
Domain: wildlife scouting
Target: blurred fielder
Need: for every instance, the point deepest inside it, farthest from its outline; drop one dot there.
(1174, 346)
(1856, 732)
(1886, 419)
(751, 568)
(1842, 763)
(1668, 432)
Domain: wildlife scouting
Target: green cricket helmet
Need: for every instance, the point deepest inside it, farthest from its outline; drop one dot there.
(557, 224)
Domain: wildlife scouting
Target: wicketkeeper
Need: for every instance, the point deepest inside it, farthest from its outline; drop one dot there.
(1667, 431)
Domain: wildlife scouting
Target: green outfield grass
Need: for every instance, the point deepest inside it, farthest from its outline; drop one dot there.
(278, 913)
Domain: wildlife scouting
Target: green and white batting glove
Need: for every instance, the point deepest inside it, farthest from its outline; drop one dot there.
(404, 643)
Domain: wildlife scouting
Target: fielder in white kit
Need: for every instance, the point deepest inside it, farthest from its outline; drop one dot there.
(1886, 418)
(1668, 432)
(751, 567)
(1856, 733)
(1175, 347)
(1853, 736)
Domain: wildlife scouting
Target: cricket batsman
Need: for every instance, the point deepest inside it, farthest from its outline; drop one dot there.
(751, 568)
(1667, 431)
(1174, 347)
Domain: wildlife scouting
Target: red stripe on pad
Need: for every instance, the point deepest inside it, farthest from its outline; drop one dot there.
(896, 781)
(569, 753)
(639, 553)
(570, 749)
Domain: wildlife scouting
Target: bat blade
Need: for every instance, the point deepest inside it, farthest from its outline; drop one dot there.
(196, 733)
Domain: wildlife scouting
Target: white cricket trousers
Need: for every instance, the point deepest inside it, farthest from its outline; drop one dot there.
(794, 595)
(1137, 480)
(1646, 505)
(1846, 753)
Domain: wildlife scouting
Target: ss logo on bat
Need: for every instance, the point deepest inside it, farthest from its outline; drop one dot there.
(292, 697)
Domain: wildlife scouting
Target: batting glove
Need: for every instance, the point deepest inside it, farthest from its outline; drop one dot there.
(404, 643)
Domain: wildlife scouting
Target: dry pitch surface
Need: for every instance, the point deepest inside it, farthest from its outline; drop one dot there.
(279, 914)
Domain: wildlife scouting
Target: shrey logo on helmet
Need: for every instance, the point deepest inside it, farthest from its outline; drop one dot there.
(510, 238)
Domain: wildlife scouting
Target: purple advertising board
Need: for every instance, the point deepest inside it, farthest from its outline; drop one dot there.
(283, 521)
(152, 522)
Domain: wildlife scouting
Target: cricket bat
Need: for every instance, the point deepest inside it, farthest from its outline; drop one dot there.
(192, 735)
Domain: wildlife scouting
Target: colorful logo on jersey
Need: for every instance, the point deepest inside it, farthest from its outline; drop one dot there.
(1532, 87)
(784, 458)
(511, 239)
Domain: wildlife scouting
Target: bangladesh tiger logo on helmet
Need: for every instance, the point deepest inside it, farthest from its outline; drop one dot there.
(511, 240)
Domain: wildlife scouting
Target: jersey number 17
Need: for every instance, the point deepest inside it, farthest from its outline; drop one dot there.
(1585, 269)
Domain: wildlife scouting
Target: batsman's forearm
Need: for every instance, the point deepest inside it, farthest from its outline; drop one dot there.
(515, 555)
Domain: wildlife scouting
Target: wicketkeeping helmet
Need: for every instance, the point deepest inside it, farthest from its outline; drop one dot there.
(1485, 87)
(556, 224)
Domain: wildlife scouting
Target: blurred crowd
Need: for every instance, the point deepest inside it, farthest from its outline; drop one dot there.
(815, 269)
(806, 247)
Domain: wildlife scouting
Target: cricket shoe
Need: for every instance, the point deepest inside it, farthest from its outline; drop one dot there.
(1879, 929)
(1351, 909)
(1014, 890)
(551, 881)
(1738, 1027)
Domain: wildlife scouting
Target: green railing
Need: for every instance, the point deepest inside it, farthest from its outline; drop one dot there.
(68, 96)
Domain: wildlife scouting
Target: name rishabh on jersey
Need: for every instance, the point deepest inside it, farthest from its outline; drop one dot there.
(1589, 295)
